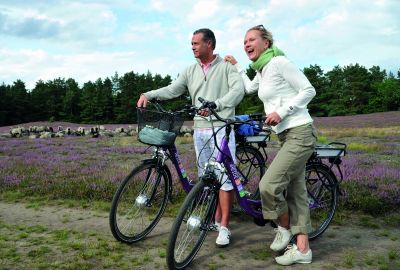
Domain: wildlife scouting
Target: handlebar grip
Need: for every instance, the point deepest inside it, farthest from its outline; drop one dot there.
(207, 104)
(212, 105)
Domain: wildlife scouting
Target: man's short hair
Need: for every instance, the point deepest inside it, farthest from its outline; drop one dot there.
(208, 35)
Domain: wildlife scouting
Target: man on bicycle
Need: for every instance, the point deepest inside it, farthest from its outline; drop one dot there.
(212, 79)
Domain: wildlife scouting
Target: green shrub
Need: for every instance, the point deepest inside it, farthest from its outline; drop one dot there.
(362, 198)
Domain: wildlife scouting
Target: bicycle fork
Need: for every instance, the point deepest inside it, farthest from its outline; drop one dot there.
(152, 181)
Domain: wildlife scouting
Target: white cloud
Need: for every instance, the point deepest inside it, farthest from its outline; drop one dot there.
(141, 32)
(34, 65)
(203, 10)
(347, 34)
(158, 5)
(86, 40)
(73, 25)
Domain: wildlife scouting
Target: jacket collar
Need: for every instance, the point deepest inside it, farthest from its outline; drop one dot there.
(214, 62)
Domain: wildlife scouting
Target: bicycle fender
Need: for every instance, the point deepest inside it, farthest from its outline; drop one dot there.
(330, 172)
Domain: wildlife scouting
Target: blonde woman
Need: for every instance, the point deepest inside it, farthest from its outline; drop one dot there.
(285, 93)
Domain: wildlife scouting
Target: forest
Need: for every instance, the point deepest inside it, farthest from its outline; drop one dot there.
(348, 90)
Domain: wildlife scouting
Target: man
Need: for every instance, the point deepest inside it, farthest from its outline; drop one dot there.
(215, 80)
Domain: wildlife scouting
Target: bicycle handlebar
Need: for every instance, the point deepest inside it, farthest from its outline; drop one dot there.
(252, 117)
(211, 106)
(189, 109)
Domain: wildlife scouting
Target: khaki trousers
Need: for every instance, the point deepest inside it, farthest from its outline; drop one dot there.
(283, 187)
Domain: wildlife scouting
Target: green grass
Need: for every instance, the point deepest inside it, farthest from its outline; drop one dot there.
(348, 258)
(212, 266)
(261, 253)
(36, 202)
(366, 147)
(322, 139)
(162, 253)
(45, 248)
(369, 132)
(392, 254)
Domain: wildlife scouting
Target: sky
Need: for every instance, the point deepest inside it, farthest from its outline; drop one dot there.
(90, 39)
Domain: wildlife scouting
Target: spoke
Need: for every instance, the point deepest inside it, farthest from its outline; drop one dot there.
(183, 243)
(132, 221)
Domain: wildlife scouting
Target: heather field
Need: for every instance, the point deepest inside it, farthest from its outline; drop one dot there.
(75, 167)
(86, 168)
(77, 175)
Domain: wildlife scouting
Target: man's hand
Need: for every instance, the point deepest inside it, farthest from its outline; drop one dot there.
(142, 102)
(273, 119)
(203, 112)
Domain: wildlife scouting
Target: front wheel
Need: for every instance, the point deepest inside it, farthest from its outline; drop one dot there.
(322, 197)
(139, 203)
(191, 225)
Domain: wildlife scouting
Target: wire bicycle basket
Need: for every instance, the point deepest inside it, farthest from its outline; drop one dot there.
(158, 128)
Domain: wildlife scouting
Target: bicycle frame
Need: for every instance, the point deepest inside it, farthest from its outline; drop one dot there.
(250, 206)
(180, 169)
(224, 156)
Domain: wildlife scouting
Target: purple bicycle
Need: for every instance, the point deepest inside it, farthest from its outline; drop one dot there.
(141, 199)
(196, 214)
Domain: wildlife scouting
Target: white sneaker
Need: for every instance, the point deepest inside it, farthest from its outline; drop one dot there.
(223, 237)
(282, 239)
(293, 255)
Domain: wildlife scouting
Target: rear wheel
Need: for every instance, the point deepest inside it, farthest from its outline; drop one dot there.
(251, 167)
(191, 225)
(322, 197)
(139, 203)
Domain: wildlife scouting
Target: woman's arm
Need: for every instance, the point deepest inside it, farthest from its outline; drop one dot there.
(250, 86)
(299, 82)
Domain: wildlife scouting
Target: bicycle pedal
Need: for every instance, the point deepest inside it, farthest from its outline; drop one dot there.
(260, 222)
(236, 211)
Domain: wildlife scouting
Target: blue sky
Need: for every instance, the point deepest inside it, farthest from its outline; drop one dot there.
(91, 39)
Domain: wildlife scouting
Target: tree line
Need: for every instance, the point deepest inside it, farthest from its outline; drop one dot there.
(347, 90)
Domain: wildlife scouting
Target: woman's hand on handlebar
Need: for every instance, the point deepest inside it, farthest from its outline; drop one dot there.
(273, 119)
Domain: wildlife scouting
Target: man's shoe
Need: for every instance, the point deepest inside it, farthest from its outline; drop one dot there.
(282, 239)
(293, 255)
(223, 238)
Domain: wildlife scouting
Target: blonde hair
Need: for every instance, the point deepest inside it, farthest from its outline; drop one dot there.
(265, 34)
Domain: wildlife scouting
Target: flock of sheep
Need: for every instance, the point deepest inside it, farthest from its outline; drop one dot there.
(34, 132)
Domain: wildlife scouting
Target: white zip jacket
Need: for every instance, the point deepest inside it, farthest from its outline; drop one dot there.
(283, 89)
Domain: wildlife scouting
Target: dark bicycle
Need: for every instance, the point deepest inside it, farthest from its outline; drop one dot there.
(197, 211)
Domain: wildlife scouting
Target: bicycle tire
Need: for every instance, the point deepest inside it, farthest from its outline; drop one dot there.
(193, 221)
(251, 166)
(322, 193)
(139, 203)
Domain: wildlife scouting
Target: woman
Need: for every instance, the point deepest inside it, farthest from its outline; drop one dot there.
(285, 92)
